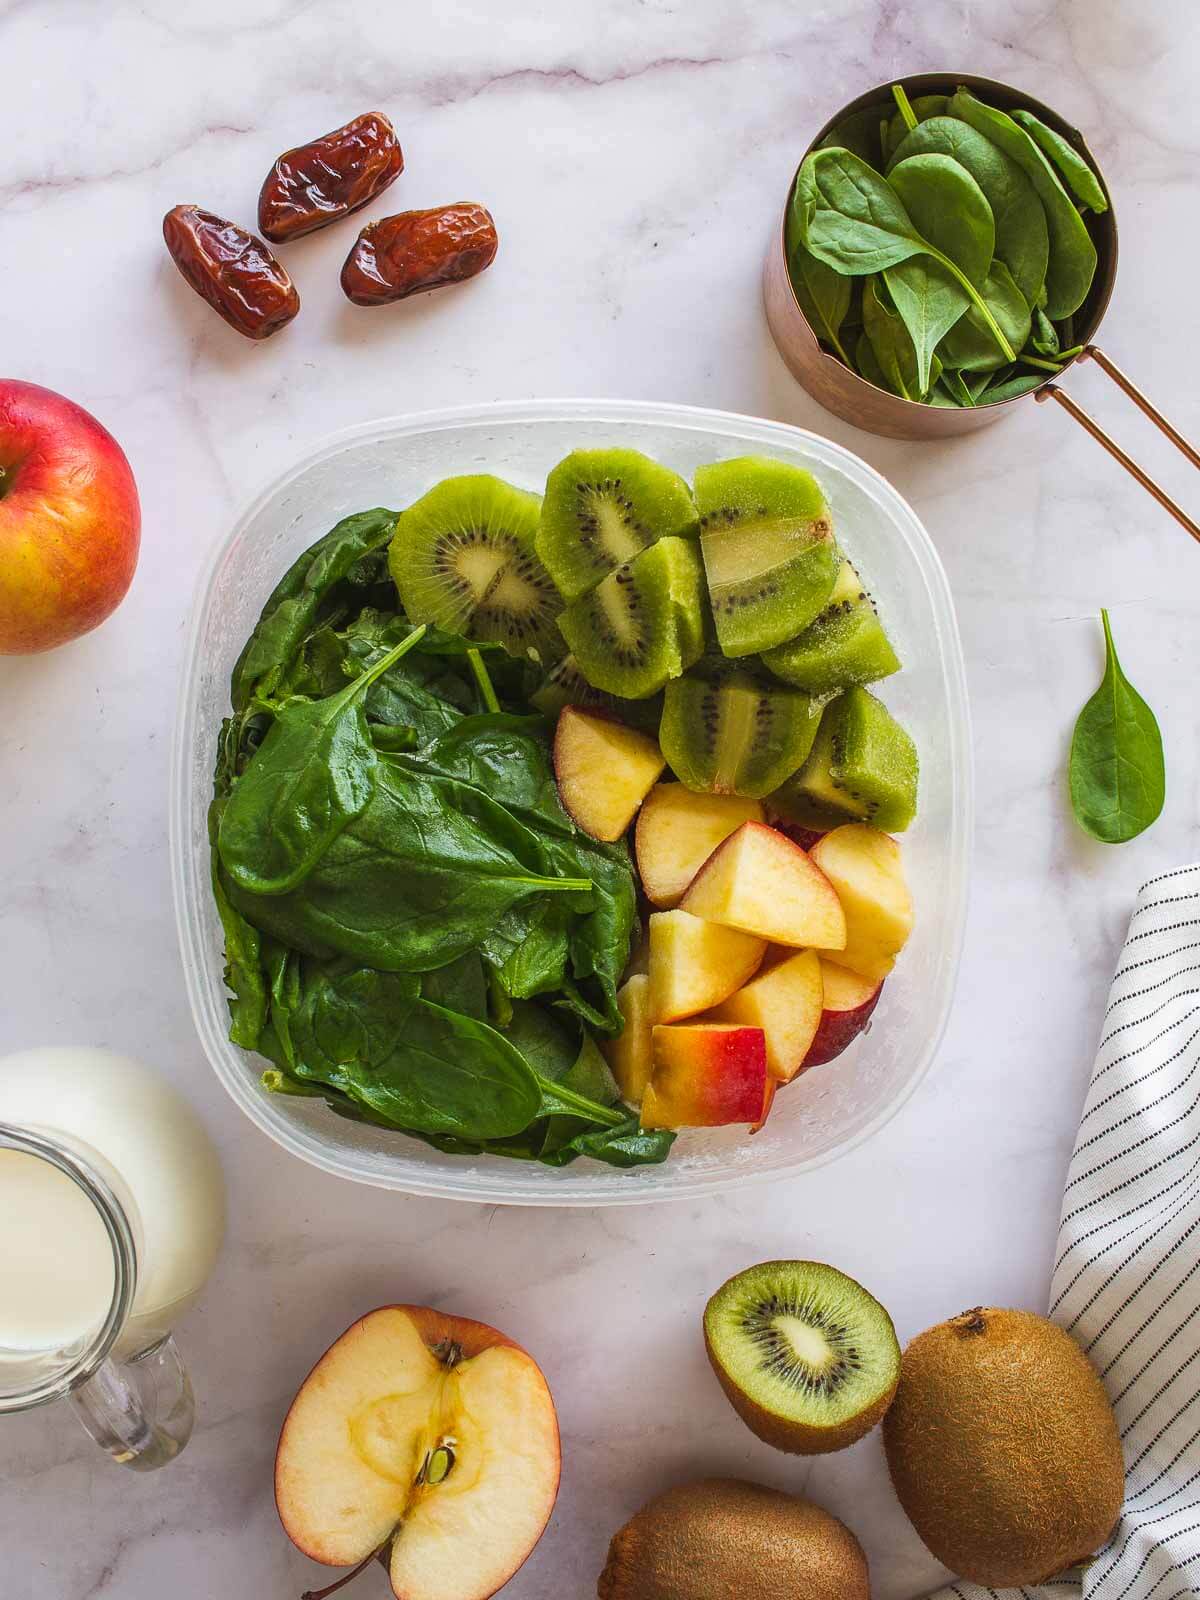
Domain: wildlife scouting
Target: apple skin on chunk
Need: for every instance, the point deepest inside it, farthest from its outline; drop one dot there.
(431, 1431)
(706, 1074)
(762, 883)
(695, 964)
(785, 1001)
(865, 868)
(629, 1055)
(677, 830)
(849, 1000)
(604, 770)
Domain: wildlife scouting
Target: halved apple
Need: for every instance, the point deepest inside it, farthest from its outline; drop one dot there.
(629, 1054)
(677, 830)
(785, 1002)
(706, 1074)
(694, 964)
(848, 1001)
(604, 770)
(433, 1434)
(762, 883)
(865, 868)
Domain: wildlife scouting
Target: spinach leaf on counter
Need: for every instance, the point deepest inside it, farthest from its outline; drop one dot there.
(1117, 773)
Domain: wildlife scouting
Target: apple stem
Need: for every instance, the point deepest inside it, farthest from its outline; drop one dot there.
(322, 1594)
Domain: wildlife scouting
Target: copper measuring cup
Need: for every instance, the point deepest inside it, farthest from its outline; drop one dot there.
(847, 395)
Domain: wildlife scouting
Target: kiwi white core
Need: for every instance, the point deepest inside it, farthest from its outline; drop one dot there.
(748, 550)
(737, 713)
(620, 541)
(611, 596)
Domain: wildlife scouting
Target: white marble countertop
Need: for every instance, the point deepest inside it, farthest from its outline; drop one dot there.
(635, 154)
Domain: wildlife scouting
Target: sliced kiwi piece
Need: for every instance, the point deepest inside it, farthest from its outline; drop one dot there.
(602, 508)
(808, 1359)
(565, 685)
(845, 646)
(862, 764)
(463, 557)
(643, 624)
(725, 730)
(769, 551)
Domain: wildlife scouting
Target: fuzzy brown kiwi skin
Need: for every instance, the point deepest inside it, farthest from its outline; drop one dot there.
(722, 1536)
(995, 1396)
(797, 1438)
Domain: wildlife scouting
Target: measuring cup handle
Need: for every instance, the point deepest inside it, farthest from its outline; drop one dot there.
(140, 1410)
(1051, 391)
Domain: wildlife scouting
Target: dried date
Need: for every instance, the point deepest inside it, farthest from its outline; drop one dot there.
(416, 250)
(317, 183)
(232, 270)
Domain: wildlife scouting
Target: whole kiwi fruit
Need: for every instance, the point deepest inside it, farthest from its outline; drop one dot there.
(1003, 1448)
(721, 1537)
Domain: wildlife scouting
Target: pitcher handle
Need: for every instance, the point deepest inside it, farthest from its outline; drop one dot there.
(1051, 391)
(140, 1410)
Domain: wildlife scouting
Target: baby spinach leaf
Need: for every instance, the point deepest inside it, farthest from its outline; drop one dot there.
(1072, 262)
(969, 344)
(953, 382)
(416, 879)
(550, 1048)
(294, 603)
(1117, 774)
(1073, 169)
(890, 340)
(243, 967)
(1009, 388)
(930, 303)
(626, 1145)
(459, 986)
(948, 208)
(823, 294)
(851, 218)
(312, 776)
(858, 133)
(367, 1034)
(1022, 239)
(898, 126)
(1043, 338)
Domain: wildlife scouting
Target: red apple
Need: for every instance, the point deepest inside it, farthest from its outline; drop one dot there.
(865, 868)
(695, 964)
(761, 882)
(430, 1438)
(706, 1074)
(70, 522)
(629, 1054)
(785, 1002)
(604, 770)
(677, 830)
(849, 1000)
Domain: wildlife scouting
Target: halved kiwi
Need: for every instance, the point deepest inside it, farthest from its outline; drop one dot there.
(844, 647)
(724, 730)
(463, 557)
(565, 685)
(862, 764)
(769, 551)
(602, 508)
(642, 625)
(807, 1358)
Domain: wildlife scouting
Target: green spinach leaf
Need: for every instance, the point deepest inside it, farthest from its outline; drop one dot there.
(853, 219)
(1022, 238)
(969, 345)
(824, 295)
(295, 603)
(313, 774)
(1072, 168)
(1117, 772)
(1072, 263)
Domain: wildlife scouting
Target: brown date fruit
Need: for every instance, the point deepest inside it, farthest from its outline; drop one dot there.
(317, 183)
(232, 270)
(416, 250)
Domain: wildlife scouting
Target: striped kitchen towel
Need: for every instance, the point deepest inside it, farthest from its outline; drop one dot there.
(1126, 1281)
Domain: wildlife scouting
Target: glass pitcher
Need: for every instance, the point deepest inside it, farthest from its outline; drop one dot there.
(113, 1210)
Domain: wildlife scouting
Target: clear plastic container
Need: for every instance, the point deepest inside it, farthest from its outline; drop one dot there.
(391, 462)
